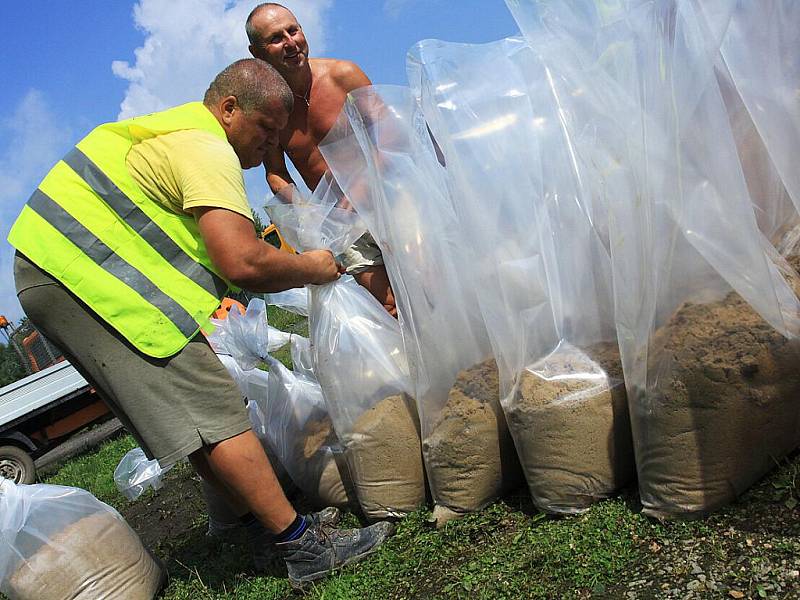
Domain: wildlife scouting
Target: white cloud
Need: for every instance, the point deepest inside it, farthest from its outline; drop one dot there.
(189, 41)
(34, 141)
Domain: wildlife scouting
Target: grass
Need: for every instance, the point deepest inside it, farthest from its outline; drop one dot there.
(94, 471)
(291, 323)
(507, 551)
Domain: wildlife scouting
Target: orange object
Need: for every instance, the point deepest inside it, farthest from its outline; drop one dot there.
(76, 420)
(3, 322)
(225, 307)
(283, 245)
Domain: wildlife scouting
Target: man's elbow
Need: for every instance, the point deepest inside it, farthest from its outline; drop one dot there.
(240, 275)
(243, 268)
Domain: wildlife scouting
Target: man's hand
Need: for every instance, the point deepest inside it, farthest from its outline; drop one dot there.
(321, 266)
(377, 283)
(250, 263)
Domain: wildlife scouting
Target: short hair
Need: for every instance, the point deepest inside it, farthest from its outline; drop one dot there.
(255, 83)
(252, 33)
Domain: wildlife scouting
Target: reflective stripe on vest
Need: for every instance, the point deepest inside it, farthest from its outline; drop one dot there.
(104, 257)
(140, 223)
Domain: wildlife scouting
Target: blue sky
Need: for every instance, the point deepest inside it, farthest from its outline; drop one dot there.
(68, 65)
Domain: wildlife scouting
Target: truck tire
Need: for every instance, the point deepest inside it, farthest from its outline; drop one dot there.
(16, 465)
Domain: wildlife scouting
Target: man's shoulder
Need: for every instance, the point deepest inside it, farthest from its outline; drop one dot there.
(343, 73)
(187, 146)
(196, 141)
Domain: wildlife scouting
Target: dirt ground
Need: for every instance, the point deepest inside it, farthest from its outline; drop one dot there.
(752, 546)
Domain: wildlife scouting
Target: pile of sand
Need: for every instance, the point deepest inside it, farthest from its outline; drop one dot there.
(570, 422)
(99, 556)
(318, 473)
(385, 458)
(724, 409)
(469, 453)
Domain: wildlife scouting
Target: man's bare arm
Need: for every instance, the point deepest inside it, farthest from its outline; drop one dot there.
(252, 264)
(275, 165)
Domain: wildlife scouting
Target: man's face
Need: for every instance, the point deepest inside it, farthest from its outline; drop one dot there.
(252, 133)
(283, 43)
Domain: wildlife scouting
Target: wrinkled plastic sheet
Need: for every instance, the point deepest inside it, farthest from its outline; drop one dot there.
(760, 48)
(136, 473)
(247, 338)
(294, 300)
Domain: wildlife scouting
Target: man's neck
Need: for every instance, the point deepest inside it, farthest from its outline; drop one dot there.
(300, 81)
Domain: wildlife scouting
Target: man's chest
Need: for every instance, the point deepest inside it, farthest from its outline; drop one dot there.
(308, 126)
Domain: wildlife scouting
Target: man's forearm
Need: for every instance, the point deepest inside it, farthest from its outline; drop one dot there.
(275, 271)
(253, 264)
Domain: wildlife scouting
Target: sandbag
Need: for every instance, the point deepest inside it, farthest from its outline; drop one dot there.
(299, 432)
(62, 543)
(385, 158)
(359, 360)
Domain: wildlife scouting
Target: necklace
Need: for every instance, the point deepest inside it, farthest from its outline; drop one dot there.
(305, 97)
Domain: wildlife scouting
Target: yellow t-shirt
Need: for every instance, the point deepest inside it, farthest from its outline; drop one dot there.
(189, 168)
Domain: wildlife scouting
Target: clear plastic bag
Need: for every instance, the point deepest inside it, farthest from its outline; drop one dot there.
(302, 359)
(135, 473)
(508, 121)
(253, 384)
(760, 47)
(360, 362)
(383, 155)
(702, 304)
(294, 300)
(299, 432)
(241, 344)
(247, 338)
(63, 543)
(775, 213)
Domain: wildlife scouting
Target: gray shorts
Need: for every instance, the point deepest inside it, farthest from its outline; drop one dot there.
(172, 406)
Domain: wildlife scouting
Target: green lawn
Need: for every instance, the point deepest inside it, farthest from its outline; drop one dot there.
(751, 549)
(506, 551)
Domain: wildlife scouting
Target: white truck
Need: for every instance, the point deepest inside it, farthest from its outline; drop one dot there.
(40, 412)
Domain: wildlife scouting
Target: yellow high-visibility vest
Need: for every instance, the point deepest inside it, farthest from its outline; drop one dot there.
(140, 266)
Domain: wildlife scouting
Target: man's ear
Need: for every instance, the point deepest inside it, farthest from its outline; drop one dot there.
(252, 51)
(227, 106)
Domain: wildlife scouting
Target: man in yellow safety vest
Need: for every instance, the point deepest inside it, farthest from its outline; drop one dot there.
(124, 251)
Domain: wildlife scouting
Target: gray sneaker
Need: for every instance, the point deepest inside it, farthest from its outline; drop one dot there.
(262, 541)
(321, 550)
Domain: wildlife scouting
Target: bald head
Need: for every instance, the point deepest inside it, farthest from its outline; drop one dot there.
(277, 37)
(254, 83)
(254, 33)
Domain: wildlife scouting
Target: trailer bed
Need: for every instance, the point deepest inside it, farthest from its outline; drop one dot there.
(27, 395)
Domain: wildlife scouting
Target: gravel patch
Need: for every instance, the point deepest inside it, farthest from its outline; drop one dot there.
(751, 549)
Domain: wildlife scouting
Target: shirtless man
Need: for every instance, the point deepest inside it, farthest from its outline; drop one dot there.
(320, 86)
